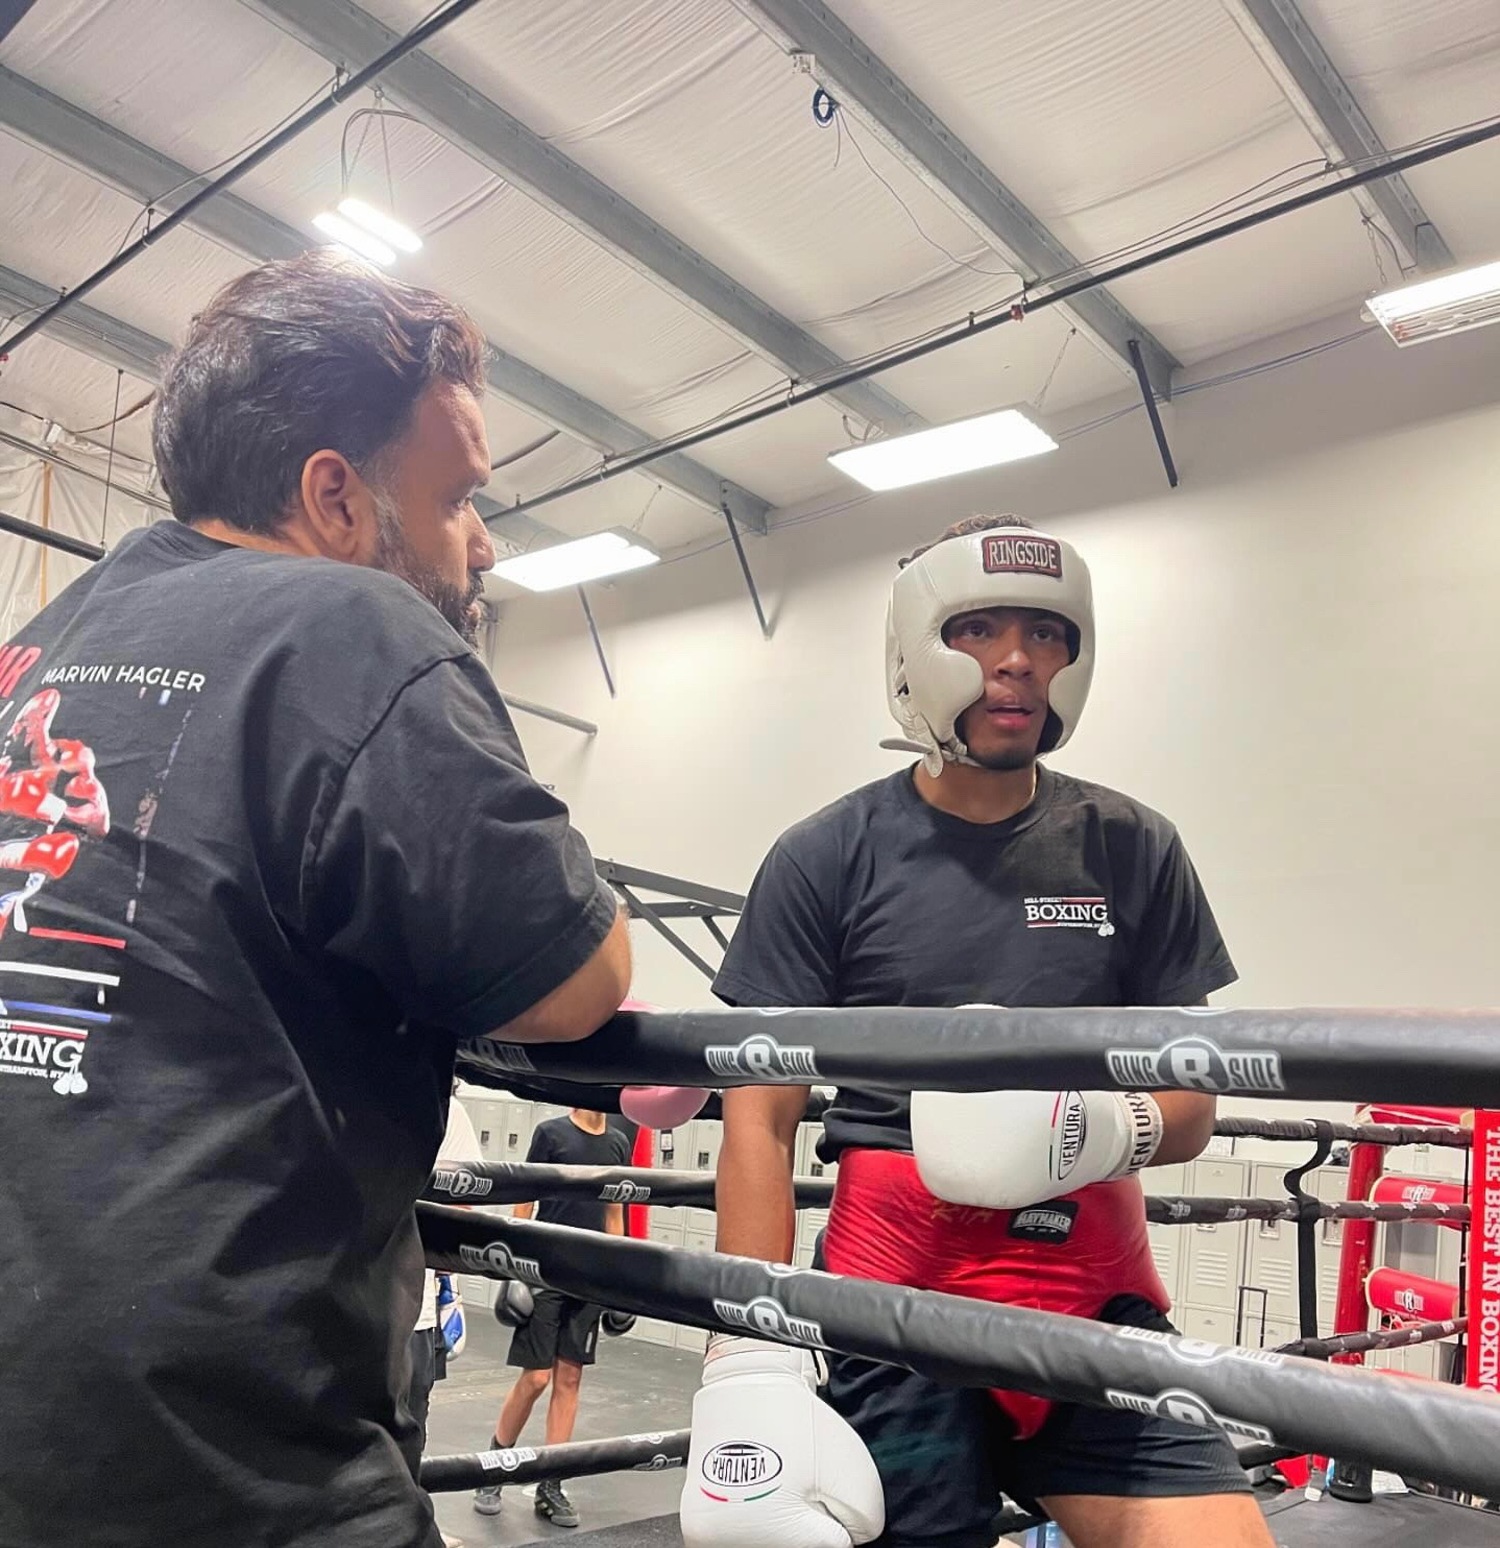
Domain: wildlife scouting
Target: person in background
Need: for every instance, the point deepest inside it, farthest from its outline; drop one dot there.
(561, 1335)
(429, 1347)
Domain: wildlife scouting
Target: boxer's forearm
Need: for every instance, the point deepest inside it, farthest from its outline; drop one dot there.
(1187, 1124)
(757, 1217)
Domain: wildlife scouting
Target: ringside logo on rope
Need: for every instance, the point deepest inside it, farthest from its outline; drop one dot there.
(1196, 1064)
(506, 1461)
(498, 1259)
(762, 1057)
(1185, 1407)
(459, 1183)
(624, 1193)
(769, 1317)
(1198, 1351)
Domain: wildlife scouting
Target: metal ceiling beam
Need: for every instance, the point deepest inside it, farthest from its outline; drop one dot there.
(87, 329)
(116, 343)
(343, 33)
(866, 87)
(59, 129)
(1300, 66)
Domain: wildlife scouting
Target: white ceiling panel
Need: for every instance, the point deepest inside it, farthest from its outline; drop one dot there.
(1419, 67)
(50, 380)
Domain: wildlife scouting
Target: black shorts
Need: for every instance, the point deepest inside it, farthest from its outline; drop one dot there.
(946, 1454)
(560, 1328)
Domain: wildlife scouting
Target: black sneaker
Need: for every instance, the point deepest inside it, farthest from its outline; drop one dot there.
(553, 1505)
(487, 1501)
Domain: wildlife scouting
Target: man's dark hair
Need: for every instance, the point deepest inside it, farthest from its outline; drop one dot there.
(965, 528)
(316, 351)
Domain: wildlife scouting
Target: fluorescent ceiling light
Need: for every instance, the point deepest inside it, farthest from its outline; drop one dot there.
(379, 224)
(584, 559)
(1434, 308)
(957, 448)
(346, 234)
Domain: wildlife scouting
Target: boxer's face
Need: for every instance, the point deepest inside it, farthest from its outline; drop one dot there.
(429, 532)
(1019, 650)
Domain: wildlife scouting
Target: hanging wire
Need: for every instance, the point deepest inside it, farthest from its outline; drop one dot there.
(1046, 387)
(921, 231)
(148, 209)
(109, 467)
(640, 520)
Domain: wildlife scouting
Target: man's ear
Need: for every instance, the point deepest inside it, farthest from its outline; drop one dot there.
(337, 508)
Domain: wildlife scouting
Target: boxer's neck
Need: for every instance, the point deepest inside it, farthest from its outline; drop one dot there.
(979, 796)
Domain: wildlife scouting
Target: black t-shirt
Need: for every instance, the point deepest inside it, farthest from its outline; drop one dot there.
(560, 1142)
(269, 849)
(1084, 898)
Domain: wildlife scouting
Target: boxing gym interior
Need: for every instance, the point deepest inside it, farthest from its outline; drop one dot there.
(790, 310)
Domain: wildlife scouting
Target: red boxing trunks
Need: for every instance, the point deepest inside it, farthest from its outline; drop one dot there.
(1073, 1254)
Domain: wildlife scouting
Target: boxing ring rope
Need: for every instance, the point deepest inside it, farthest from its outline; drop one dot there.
(581, 1459)
(1442, 1434)
(1316, 1054)
(653, 1453)
(1351, 1133)
(1363, 1343)
(520, 1182)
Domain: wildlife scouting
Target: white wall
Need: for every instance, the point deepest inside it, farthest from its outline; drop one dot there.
(1298, 653)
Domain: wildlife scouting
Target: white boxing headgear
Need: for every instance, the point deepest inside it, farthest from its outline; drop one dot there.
(932, 685)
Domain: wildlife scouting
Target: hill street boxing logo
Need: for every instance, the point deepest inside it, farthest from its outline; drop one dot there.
(1196, 1064)
(762, 1057)
(771, 1320)
(459, 1183)
(741, 1466)
(498, 1262)
(624, 1193)
(1185, 1407)
(1069, 914)
(1022, 553)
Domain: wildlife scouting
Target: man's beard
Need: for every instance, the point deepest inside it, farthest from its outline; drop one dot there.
(393, 555)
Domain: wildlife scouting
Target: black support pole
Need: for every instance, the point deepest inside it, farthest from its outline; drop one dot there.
(1149, 397)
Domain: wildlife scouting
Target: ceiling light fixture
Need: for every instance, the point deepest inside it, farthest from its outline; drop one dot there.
(347, 235)
(1434, 308)
(601, 554)
(386, 227)
(961, 447)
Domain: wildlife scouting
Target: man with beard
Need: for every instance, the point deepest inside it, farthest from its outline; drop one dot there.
(329, 866)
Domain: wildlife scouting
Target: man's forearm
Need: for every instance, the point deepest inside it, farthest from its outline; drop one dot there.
(1187, 1125)
(757, 1218)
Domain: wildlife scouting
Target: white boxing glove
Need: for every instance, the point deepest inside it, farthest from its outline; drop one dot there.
(771, 1465)
(1008, 1149)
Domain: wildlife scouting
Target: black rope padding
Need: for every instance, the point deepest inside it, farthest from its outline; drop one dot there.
(582, 1459)
(1435, 1432)
(1445, 1057)
(1354, 1133)
(1177, 1209)
(1387, 1338)
(576, 1459)
(520, 1182)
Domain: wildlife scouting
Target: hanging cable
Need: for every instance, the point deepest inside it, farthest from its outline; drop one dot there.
(109, 466)
(1019, 306)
